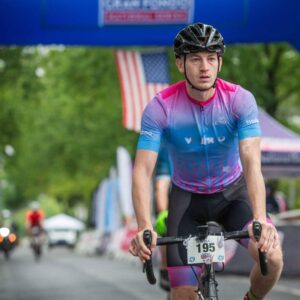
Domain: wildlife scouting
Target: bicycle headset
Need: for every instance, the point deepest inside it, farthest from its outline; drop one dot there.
(196, 38)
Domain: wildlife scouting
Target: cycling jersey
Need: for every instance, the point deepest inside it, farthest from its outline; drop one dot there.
(35, 218)
(201, 136)
(163, 166)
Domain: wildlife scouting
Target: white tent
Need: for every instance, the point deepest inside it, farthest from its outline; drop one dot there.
(63, 221)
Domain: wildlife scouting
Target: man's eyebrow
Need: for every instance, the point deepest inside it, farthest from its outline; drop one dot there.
(194, 55)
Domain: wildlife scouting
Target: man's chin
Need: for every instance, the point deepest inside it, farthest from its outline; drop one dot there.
(204, 86)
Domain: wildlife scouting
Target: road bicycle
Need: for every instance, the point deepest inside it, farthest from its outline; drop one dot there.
(36, 242)
(205, 249)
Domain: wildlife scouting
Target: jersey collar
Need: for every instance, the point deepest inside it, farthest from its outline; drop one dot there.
(201, 103)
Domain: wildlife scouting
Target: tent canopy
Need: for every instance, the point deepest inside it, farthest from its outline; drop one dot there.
(145, 22)
(63, 221)
(280, 148)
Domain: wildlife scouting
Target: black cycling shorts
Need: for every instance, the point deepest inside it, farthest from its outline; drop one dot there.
(230, 208)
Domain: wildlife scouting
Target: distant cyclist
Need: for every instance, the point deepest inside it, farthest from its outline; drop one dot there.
(34, 218)
(212, 132)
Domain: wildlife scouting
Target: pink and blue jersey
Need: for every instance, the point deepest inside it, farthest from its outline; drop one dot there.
(201, 137)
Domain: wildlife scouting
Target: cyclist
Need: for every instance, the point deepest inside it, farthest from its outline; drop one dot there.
(212, 132)
(34, 218)
(162, 182)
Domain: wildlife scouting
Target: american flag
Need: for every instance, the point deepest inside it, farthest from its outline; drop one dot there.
(142, 75)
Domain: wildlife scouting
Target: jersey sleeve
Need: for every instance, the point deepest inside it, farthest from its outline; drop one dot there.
(246, 112)
(163, 164)
(152, 127)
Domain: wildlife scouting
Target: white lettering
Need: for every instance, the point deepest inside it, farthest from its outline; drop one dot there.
(221, 139)
(147, 133)
(146, 4)
(220, 121)
(207, 140)
(226, 169)
(250, 122)
(188, 140)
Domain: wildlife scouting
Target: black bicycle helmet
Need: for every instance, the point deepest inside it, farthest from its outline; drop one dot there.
(198, 37)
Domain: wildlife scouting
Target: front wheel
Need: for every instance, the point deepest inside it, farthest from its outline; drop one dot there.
(7, 254)
(37, 252)
(209, 286)
(37, 248)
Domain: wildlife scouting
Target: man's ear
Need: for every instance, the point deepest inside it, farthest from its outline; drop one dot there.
(220, 63)
(180, 64)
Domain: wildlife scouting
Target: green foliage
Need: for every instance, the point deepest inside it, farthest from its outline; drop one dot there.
(69, 122)
(270, 72)
(61, 111)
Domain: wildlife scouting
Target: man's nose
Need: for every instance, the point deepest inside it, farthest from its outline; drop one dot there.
(204, 66)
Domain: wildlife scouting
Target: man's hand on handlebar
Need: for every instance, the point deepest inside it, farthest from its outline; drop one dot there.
(138, 247)
(269, 238)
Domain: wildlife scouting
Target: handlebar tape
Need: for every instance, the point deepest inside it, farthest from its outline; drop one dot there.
(263, 261)
(148, 268)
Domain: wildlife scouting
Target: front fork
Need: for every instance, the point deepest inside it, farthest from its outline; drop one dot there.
(208, 290)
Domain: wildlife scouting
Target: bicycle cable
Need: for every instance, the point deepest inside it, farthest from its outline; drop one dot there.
(196, 274)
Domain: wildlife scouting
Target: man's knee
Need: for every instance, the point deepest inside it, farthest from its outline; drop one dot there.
(184, 292)
(275, 259)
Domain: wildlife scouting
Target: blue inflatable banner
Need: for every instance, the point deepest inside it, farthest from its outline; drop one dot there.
(144, 22)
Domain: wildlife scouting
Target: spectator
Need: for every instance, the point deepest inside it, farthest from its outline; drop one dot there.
(272, 205)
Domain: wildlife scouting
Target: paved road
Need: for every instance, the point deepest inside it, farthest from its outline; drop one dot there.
(65, 275)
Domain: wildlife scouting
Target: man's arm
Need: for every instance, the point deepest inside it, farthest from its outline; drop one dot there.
(251, 161)
(162, 187)
(250, 154)
(142, 172)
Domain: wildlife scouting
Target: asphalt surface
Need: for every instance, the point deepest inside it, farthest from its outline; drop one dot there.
(63, 274)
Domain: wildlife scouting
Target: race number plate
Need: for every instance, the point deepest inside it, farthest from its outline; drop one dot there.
(206, 251)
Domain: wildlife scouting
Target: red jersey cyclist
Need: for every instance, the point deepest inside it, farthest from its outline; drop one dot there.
(34, 218)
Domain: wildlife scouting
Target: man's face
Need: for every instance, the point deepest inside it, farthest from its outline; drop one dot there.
(201, 68)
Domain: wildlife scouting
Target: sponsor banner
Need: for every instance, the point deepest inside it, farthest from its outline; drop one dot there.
(280, 144)
(124, 171)
(145, 12)
(280, 158)
(99, 206)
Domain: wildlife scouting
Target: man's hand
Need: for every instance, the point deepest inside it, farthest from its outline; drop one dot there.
(138, 247)
(269, 238)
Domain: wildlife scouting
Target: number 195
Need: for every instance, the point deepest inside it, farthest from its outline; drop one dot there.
(206, 247)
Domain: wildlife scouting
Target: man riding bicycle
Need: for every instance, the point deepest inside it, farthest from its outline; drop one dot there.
(34, 218)
(212, 132)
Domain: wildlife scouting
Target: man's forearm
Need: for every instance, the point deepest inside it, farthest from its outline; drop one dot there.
(141, 200)
(257, 192)
(251, 160)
